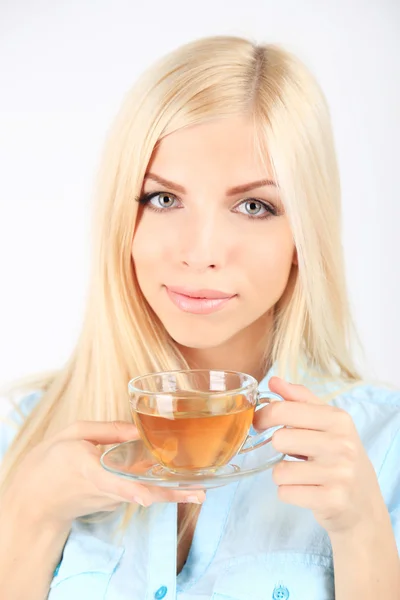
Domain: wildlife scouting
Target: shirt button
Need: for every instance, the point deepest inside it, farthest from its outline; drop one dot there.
(280, 593)
(161, 593)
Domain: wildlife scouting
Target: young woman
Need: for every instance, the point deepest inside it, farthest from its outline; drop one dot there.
(219, 174)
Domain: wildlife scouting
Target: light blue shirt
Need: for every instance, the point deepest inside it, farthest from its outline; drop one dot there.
(247, 544)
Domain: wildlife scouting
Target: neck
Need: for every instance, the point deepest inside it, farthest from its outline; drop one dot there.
(245, 352)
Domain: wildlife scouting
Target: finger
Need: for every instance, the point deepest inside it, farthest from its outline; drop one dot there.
(298, 456)
(165, 495)
(146, 496)
(126, 490)
(293, 391)
(305, 496)
(303, 416)
(100, 432)
(300, 473)
(312, 444)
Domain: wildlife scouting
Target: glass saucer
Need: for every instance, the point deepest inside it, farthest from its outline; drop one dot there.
(132, 460)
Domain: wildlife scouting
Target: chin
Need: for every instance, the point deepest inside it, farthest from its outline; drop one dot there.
(201, 337)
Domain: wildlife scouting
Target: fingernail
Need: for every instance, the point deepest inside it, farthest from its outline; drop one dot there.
(193, 500)
(139, 501)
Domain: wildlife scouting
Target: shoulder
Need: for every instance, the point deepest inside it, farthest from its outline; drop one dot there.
(375, 411)
(372, 394)
(371, 406)
(14, 411)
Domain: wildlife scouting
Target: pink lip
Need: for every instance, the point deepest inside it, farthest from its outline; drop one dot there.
(209, 294)
(198, 305)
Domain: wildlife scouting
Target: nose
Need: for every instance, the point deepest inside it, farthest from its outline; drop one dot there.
(202, 245)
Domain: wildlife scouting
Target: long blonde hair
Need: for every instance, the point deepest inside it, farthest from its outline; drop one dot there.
(121, 337)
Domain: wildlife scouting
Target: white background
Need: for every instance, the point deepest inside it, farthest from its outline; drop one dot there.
(64, 69)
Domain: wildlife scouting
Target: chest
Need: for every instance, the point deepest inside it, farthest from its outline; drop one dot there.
(232, 551)
(187, 521)
(270, 576)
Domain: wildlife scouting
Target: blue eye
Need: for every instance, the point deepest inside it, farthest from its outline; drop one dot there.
(254, 209)
(159, 198)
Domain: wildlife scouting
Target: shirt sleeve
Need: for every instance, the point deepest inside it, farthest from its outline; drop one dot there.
(389, 480)
(11, 421)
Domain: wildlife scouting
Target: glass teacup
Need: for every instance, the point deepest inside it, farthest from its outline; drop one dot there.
(195, 421)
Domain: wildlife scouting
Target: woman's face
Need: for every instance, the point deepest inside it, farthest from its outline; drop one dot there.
(198, 232)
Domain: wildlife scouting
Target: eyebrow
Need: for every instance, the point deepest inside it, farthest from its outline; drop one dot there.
(237, 189)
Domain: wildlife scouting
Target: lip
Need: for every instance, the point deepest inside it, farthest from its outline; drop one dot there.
(196, 305)
(203, 293)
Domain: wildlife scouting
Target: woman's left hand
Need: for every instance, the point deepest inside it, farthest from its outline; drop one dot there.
(337, 480)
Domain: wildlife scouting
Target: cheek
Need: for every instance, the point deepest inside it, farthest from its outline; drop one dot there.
(141, 252)
(144, 258)
(268, 260)
(147, 248)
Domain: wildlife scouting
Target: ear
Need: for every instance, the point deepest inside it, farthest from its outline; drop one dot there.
(295, 259)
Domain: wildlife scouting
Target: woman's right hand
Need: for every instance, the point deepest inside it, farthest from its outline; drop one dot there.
(62, 479)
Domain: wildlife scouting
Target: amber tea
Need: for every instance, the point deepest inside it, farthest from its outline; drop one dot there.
(194, 433)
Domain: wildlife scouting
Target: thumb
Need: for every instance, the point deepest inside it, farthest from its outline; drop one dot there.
(293, 391)
(280, 386)
(100, 432)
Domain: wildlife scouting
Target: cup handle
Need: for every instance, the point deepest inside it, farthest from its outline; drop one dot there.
(255, 440)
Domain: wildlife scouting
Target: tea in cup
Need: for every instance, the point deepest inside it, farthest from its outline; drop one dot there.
(195, 421)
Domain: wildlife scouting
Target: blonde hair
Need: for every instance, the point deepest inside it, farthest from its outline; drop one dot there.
(121, 337)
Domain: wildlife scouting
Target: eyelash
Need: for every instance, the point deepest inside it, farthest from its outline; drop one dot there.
(144, 200)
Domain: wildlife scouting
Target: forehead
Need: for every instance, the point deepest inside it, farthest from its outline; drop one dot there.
(218, 148)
